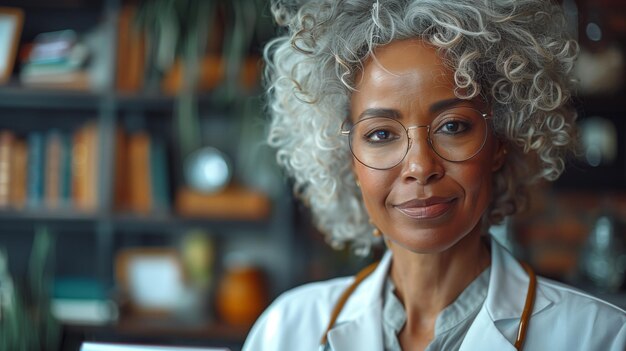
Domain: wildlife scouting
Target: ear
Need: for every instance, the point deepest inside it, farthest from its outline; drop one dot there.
(500, 155)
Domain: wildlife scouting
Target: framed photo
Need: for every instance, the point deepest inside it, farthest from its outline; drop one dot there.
(151, 278)
(11, 22)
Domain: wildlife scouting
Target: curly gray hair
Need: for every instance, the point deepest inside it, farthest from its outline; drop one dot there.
(513, 53)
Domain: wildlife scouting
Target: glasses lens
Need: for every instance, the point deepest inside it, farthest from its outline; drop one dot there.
(378, 142)
(459, 134)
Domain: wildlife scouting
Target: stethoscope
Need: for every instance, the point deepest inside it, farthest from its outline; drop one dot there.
(523, 323)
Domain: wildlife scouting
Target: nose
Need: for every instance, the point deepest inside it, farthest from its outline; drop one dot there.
(421, 164)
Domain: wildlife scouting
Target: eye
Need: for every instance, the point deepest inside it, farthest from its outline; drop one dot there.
(454, 127)
(378, 131)
(379, 135)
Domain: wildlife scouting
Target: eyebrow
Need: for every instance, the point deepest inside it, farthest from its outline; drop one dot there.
(438, 106)
(442, 105)
(379, 112)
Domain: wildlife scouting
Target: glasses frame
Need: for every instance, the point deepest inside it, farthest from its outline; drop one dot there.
(348, 132)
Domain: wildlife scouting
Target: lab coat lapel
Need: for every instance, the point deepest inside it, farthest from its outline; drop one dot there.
(483, 335)
(508, 285)
(363, 334)
(359, 324)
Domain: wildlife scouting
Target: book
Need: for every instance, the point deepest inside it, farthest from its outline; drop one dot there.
(84, 311)
(53, 47)
(85, 167)
(35, 182)
(52, 175)
(211, 73)
(19, 174)
(57, 59)
(121, 182)
(7, 140)
(158, 175)
(93, 162)
(130, 51)
(141, 173)
(140, 183)
(73, 80)
(65, 186)
(82, 300)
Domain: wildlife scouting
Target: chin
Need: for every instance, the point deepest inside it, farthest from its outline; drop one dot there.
(430, 241)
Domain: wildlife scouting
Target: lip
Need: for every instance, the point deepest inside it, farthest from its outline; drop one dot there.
(427, 208)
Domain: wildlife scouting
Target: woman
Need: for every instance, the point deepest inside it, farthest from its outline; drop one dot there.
(421, 123)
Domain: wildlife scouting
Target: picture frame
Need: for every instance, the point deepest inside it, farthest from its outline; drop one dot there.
(151, 278)
(11, 24)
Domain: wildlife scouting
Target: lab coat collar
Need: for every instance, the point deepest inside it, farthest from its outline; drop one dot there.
(359, 324)
(483, 332)
(508, 286)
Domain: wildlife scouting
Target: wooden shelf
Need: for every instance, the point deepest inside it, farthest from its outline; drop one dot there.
(16, 96)
(128, 222)
(169, 222)
(72, 5)
(48, 215)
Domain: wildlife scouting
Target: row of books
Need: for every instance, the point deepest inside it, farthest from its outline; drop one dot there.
(60, 170)
(132, 64)
(49, 169)
(142, 182)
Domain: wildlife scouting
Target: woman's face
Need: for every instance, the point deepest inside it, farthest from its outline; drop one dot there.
(425, 204)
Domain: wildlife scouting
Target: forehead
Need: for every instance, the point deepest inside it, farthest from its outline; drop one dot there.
(400, 55)
(403, 69)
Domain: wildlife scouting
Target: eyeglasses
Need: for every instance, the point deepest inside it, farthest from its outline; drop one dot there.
(382, 143)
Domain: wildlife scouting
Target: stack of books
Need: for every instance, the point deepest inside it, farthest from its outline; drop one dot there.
(82, 301)
(57, 59)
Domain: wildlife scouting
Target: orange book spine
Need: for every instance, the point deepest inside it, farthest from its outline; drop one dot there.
(19, 171)
(6, 148)
(130, 52)
(139, 173)
(92, 171)
(80, 163)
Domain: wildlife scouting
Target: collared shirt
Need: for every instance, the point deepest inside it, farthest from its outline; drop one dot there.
(450, 326)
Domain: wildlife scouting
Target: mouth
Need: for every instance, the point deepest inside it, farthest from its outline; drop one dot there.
(428, 208)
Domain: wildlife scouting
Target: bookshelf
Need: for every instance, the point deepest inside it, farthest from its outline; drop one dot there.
(90, 232)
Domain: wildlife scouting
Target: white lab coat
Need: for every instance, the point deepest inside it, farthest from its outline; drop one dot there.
(563, 318)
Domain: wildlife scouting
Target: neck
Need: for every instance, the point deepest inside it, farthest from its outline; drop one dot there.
(427, 283)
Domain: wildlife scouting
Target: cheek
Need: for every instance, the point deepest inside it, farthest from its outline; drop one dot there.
(478, 185)
(476, 179)
(374, 186)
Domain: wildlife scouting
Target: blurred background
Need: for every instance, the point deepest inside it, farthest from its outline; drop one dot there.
(140, 204)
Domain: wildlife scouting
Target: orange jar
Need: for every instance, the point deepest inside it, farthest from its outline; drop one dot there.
(241, 295)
